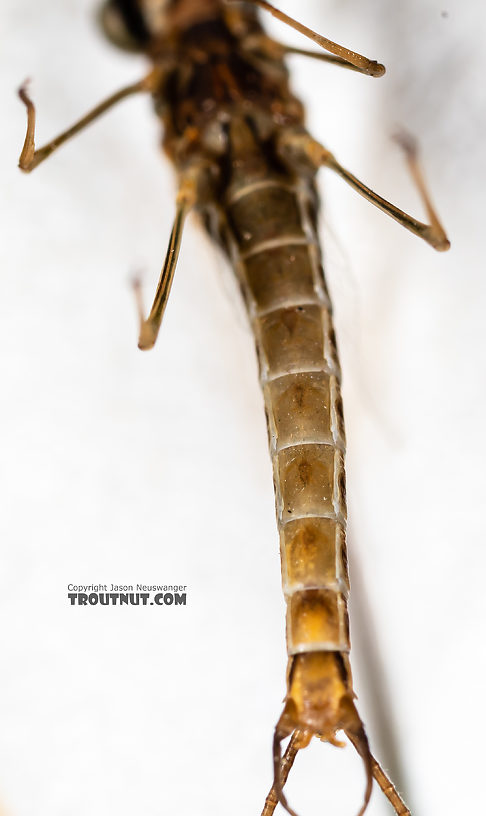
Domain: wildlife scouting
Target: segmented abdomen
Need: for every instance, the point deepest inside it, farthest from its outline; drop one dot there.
(278, 261)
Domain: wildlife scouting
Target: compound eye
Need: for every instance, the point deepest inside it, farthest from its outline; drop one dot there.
(123, 25)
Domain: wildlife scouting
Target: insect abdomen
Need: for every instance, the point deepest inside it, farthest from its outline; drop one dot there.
(279, 268)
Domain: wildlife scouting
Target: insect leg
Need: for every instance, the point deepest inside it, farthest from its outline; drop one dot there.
(149, 327)
(334, 60)
(276, 50)
(365, 65)
(298, 147)
(31, 158)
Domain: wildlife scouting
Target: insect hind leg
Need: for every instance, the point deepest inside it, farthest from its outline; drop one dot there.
(195, 187)
(297, 148)
(149, 327)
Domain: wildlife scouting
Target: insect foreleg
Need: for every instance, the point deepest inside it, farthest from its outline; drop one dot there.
(31, 158)
(277, 50)
(297, 147)
(331, 58)
(363, 64)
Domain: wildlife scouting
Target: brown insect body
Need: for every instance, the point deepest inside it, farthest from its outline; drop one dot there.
(236, 136)
(267, 223)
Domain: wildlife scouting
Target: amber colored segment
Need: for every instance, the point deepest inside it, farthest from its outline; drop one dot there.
(306, 480)
(300, 406)
(313, 555)
(265, 214)
(279, 276)
(292, 340)
(311, 670)
(316, 619)
(320, 695)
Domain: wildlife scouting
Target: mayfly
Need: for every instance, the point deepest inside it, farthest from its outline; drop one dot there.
(246, 163)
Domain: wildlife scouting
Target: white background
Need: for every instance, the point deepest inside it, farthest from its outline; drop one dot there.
(118, 466)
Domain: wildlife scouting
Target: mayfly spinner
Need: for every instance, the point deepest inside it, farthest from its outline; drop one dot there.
(245, 161)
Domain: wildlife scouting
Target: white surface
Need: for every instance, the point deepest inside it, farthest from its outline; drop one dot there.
(124, 467)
